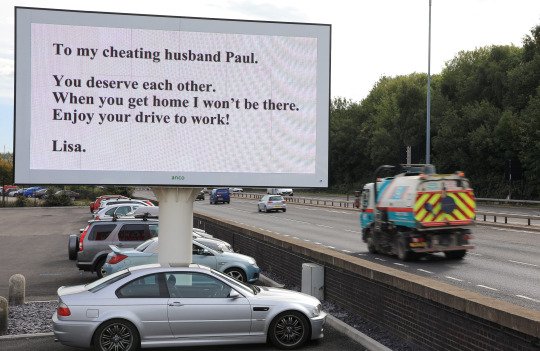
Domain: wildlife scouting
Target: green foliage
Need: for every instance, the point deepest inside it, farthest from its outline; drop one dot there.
(54, 201)
(6, 171)
(21, 201)
(485, 114)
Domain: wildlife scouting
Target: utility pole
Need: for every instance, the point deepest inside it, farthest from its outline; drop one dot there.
(428, 127)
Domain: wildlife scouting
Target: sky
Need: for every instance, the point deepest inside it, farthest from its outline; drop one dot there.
(370, 38)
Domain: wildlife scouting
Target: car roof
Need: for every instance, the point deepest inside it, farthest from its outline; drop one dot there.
(192, 267)
(122, 220)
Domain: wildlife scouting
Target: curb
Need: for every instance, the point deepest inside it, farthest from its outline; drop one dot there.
(25, 336)
(339, 325)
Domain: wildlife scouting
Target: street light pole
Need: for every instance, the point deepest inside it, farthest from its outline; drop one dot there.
(428, 128)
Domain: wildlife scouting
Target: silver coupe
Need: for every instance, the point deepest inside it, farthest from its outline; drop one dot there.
(158, 306)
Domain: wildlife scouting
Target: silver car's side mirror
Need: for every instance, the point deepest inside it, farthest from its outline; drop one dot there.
(234, 294)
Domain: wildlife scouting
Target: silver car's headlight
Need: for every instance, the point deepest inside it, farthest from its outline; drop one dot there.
(316, 311)
(252, 261)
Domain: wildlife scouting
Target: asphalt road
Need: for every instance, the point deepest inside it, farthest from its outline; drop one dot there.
(505, 264)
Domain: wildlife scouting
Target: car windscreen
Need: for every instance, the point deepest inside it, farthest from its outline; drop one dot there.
(275, 198)
(222, 191)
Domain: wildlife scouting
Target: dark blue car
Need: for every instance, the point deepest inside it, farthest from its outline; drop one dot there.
(30, 192)
(220, 195)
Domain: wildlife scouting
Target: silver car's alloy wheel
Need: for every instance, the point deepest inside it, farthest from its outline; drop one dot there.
(116, 336)
(289, 330)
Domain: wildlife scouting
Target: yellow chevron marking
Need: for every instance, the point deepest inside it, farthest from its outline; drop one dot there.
(462, 206)
(420, 202)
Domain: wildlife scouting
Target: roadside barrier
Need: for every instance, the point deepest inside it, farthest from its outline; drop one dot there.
(486, 216)
(480, 215)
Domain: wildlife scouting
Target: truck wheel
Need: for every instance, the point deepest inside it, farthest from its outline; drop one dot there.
(455, 255)
(371, 243)
(403, 253)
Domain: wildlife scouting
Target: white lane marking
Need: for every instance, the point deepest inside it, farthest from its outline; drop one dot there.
(324, 226)
(474, 254)
(452, 278)
(352, 231)
(347, 251)
(528, 298)
(286, 235)
(380, 259)
(361, 254)
(423, 270)
(295, 237)
(514, 230)
(330, 247)
(307, 240)
(524, 263)
(261, 228)
(400, 264)
(487, 287)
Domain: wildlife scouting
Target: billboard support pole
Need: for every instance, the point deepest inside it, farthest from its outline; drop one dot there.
(175, 224)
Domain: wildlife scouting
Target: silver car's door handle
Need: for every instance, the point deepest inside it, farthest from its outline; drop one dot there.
(175, 304)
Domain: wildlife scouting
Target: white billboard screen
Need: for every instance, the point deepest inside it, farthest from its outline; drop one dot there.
(107, 98)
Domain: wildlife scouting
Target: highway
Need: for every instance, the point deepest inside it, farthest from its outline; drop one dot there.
(505, 263)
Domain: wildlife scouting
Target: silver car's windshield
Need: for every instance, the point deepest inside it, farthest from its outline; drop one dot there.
(107, 280)
(253, 289)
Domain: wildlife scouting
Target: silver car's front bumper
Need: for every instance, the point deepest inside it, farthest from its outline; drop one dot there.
(73, 333)
(317, 326)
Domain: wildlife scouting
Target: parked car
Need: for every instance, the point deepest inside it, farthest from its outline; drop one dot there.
(198, 234)
(158, 306)
(236, 190)
(200, 195)
(272, 203)
(94, 241)
(41, 193)
(95, 205)
(11, 192)
(105, 203)
(18, 192)
(29, 192)
(5, 189)
(220, 195)
(238, 266)
(117, 210)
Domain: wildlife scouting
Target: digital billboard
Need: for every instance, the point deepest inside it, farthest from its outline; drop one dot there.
(110, 98)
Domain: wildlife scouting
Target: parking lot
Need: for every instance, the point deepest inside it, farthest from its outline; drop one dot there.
(34, 243)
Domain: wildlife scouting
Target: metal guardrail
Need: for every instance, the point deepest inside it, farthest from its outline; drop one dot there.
(495, 215)
(301, 200)
(480, 215)
(509, 201)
